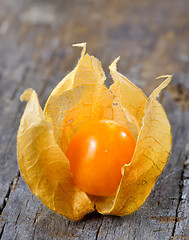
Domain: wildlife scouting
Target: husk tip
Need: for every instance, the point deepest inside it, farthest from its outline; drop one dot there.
(83, 45)
(156, 92)
(26, 95)
(169, 76)
(113, 66)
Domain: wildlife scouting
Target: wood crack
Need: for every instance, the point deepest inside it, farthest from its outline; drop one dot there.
(98, 230)
(181, 185)
(2, 230)
(12, 186)
(35, 218)
(17, 218)
(179, 201)
(33, 234)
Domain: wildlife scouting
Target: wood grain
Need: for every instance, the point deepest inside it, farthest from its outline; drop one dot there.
(36, 51)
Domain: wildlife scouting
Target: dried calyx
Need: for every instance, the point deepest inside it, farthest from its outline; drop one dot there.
(43, 138)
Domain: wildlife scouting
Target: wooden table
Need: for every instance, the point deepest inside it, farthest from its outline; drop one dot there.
(152, 38)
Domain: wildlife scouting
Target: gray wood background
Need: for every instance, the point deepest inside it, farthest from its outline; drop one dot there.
(152, 38)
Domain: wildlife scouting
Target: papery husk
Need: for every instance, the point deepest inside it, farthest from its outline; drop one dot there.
(80, 97)
(43, 138)
(44, 166)
(150, 157)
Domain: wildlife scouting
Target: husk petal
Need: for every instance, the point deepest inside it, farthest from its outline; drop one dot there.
(150, 157)
(44, 166)
(131, 98)
(80, 97)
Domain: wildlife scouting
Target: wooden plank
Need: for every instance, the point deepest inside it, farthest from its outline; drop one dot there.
(182, 212)
(35, 50)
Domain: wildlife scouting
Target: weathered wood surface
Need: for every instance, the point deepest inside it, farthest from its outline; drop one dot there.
(152, 38)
